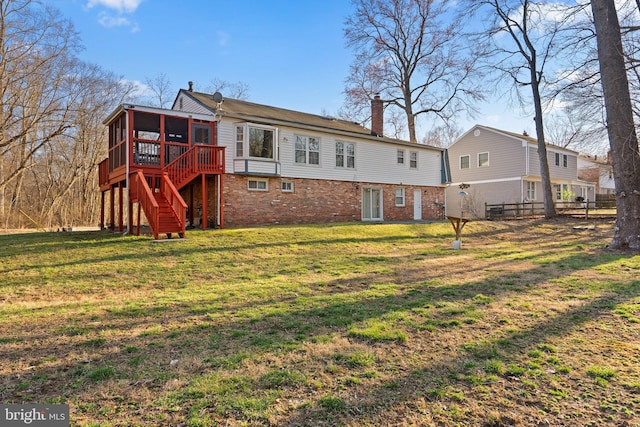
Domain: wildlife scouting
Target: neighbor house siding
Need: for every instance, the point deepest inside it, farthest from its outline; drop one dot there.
(561, 172)
(506, 158)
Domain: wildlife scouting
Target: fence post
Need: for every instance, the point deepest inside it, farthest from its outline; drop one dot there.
(586, 213)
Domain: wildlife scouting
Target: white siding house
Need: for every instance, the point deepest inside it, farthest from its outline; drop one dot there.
(285, 166)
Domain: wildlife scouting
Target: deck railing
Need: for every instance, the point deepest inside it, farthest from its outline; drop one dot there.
(141, 192)
(198, 159)
(103, 173)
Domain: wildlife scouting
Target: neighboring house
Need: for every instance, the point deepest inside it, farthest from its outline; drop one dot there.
(598, 170)
(503, 167)
(242, 164)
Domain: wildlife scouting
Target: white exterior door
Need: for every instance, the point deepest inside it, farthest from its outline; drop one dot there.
(371, 204)
(417, 204)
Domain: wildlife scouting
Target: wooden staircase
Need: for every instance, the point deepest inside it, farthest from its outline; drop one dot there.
(164, 208)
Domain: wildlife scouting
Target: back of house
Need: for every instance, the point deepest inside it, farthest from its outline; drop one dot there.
(289, 167)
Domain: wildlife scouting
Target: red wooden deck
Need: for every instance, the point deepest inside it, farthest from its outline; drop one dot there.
(155, 153)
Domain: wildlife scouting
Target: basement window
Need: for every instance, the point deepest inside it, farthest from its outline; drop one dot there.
(287, 187)
(258, 185)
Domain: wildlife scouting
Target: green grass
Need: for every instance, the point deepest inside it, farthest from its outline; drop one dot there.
(340, 324)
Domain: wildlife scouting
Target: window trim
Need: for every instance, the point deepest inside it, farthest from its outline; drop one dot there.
(468, 156)
(565, 161)
(400, 157)
(257, 181)
(413, 160)
(246, 130)
(403, 196)
(345, 157)
(307, 152)
(282, 185)
(530, 190)
(488, 161)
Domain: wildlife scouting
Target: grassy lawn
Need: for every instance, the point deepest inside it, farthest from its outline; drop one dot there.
(530, 324)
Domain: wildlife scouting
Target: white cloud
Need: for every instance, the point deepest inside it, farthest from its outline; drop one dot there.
(139, 89)
(109, 21)
(122, 6)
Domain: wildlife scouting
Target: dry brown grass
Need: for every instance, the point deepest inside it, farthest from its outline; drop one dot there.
(531, 323)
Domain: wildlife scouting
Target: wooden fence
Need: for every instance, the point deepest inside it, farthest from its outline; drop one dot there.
(582, 209)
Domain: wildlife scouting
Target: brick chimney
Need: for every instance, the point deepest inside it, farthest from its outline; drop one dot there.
(377, 118)
(190, 86)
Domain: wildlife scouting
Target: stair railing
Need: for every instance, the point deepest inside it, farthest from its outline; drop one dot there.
(176, 201)
(141, 192)
(197, 159)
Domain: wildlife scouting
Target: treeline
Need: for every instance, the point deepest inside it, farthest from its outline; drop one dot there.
(51, 131)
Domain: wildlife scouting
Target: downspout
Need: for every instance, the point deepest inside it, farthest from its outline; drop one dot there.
(526, 169)
(216, 121)
(128, 143)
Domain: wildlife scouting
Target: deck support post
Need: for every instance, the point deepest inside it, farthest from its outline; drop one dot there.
(139, 208)
(112, 208)
(130, 215)
(121, 207)
(220, 200)
(101, 210)
(205, 203)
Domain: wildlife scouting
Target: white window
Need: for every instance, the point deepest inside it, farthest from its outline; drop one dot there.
(399, 196)
(258, 185)
(464, 162)
(413, 159)
(239, 141)
(557, 159)
(345, 155)
(400, 157)
(287, 187)
(560, 190)
(483, 159)
(531, 190)
(255, 141)
(307, 150)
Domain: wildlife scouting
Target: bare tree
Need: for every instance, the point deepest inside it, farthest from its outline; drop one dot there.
(235, 90)
(410, 53)
(620, 126)
(37, 48)
(522, 43)
(442, 136)
(163, 92)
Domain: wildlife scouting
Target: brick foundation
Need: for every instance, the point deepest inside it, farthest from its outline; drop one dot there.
(316, 201)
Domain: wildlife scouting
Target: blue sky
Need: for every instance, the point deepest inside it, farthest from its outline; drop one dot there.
(291, 54)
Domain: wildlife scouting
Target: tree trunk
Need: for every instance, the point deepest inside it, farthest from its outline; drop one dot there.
(620, 127)
(547, 194)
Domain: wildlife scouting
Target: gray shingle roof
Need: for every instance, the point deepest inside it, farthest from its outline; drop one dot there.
(265, 114)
